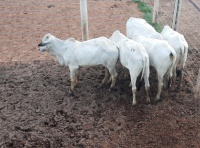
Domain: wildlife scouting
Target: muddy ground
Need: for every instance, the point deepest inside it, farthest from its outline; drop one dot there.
(37, 112)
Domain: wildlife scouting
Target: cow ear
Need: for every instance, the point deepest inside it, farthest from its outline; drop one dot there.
(48, 36)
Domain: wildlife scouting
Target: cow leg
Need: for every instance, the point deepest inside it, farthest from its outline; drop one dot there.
(133, 82)
(167, 81)
(173, 78)
(160, 86)
(180, 78)
(73, 79)
(77, 73)
(134, 73)
(109, 80)
(147, 87)
(113, 74)
(134, 102)
(106, 77)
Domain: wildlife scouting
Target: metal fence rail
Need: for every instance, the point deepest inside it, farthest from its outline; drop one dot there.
(190, 24)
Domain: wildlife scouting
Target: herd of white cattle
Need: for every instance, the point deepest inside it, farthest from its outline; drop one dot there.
(141, 48)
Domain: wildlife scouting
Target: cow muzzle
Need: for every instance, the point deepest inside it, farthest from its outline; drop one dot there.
(42, 44)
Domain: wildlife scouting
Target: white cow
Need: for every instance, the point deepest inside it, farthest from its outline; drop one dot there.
(161, 56)
(73, 53)
(178, 42)
(134, 57)
(140, 26)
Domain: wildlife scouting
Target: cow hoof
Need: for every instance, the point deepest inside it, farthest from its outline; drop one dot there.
(172, 88)
(130, 85)
(157, 99)
(101, 85)
(109, 80)
(71, 93)
(112, 89)
(148, 101)
(134, 104)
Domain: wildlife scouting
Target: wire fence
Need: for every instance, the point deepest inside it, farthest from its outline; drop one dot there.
(189, 23)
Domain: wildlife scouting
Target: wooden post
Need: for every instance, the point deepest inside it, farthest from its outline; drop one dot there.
(177, 10)
(155, 11)
(84, 20)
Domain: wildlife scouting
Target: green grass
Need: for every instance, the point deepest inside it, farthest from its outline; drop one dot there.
(147, 14)
(144, 7)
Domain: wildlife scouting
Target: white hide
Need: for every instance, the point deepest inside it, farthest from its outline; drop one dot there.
(178, 42)
(140, 26)
(74, 53)
(161, 56)
(134, 57)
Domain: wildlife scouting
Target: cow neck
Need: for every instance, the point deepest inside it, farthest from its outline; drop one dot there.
(58, 48)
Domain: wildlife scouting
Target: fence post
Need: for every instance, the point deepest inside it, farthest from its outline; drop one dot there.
(177, 10)
(84, 19)
(155, 11)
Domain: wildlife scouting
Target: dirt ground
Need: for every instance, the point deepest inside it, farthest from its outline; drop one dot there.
(36, 110)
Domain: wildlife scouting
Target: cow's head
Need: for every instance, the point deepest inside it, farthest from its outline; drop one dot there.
(46, 42)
